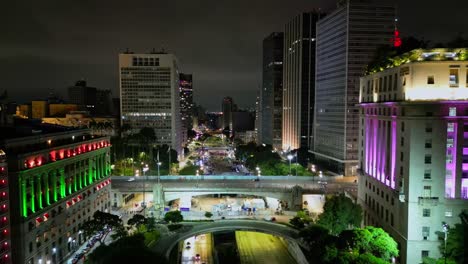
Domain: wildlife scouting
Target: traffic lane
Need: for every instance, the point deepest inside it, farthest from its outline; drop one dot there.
(261, 248)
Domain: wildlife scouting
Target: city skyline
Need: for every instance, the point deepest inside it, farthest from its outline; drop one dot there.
(56, 50)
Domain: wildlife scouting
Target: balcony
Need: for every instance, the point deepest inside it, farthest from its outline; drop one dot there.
(428, 200)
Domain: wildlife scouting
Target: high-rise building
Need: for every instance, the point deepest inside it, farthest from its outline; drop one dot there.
(299, 80)
(54, 179)
(227, 109)
(271, 94)
(83, 96)
(186, 102)
(346, 42)
(149, 95)
(5, 219)
(413, 153)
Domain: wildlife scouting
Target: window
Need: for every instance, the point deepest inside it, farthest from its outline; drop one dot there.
(427, 174)
(448, 213)
(453, 78)
(428, 128)
(428, 159)
(430, 79)
(401, 156)
(427, 191)
(402, 141)
(428, 143)
(424, 253)
(403, 126)
(452, 111)
(425, 232)
(426, 212)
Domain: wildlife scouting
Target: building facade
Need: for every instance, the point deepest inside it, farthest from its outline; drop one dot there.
(56, 181)
(83, 96)
(149, 95)
(186, 103)
(346, 42)
(299, 80)
(227, 109)
(5, 219)
(413, 153)
(271, 94)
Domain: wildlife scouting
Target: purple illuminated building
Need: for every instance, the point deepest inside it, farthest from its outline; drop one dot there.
(413, 154)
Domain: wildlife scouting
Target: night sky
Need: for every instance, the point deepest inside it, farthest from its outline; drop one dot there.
(48, 45)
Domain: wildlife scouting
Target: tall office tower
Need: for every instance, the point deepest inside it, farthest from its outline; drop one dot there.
(103, 102)
(83, 96)
(5, 219)
(149, 95)
(346, 42)
(55, 179)
(271, 94)
(186, 103)
(414, 148)
(227, 108)
(299, 80)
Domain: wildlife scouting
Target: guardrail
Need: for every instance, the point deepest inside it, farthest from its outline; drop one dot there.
(230, 177)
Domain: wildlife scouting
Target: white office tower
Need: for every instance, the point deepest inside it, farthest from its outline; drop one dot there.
(346, 42)
(149, 95)
(413, 147)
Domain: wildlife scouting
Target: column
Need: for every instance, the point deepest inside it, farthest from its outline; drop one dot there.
(46, 187)
(62, 183)
(80, 175)
(39, 191)
(90, 171)
(75, 184)
(24, 200)
(103, 165)
(31, 186)
(54, 184)
(98, 167)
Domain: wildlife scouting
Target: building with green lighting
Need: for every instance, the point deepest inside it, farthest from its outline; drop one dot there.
(57, 178)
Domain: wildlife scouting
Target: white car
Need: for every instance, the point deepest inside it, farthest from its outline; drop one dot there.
(131, 179)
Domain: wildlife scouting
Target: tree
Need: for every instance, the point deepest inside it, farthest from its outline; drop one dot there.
(456, 238)
(136, 220)
(372, 240)
(208, 214)
(119, 232)
(173, 217)
(340, 213)
(99, 221)
(297, 222)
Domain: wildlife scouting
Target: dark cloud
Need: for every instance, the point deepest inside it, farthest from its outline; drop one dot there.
(50, 44)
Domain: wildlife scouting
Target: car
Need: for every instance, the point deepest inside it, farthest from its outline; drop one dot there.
(197, 257)
(131, 179)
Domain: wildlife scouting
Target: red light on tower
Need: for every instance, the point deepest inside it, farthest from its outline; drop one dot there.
(396, 36)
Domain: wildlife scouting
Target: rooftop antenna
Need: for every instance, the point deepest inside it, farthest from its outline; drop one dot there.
(396, 34)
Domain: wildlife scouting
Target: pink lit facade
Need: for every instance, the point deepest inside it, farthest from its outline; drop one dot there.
(413, 153)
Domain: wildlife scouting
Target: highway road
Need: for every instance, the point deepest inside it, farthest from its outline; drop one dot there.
(257, 247)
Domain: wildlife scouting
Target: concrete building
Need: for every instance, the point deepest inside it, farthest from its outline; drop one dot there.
(102, 126)
(57, 178)
(271, 94)
(299, 80)
(346, 42)
(186, 104)
(149, 95)
(5, 208)
(413, 153)
(227, 109)
(39, 109)
(83, 96)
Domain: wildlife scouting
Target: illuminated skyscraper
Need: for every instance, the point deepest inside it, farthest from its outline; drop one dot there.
(413, 148)
(149, 95)
(346, 41)
(271, 94)
(299, 80)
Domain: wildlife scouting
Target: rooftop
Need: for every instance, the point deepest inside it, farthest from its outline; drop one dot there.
(420, 55)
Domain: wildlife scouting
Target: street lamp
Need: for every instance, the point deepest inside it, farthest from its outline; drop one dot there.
(144, 169)
(445, 228)
(290, 157)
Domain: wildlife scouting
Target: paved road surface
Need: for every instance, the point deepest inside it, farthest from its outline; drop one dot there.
(262, 248)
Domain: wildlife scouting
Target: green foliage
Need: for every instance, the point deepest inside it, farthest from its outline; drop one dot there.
(188, 170)
(340, 213)
(151, 237)
(119, 232)
(136, 220)
(100, 219)
(130, 249)
(456, 238)
(173, 227)
(297, 222)
(208, 214)
(173, 217)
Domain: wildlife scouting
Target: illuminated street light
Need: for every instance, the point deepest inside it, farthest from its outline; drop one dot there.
(445, 228)
(290, 157)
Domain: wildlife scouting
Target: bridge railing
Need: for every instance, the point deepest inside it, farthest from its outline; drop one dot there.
(231, 177)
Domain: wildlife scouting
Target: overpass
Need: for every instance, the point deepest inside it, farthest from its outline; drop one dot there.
(286, 188)
(166, 244)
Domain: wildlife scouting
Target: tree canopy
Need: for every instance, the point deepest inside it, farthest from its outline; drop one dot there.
(99, 221)
(340, 213)
(173, 217)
